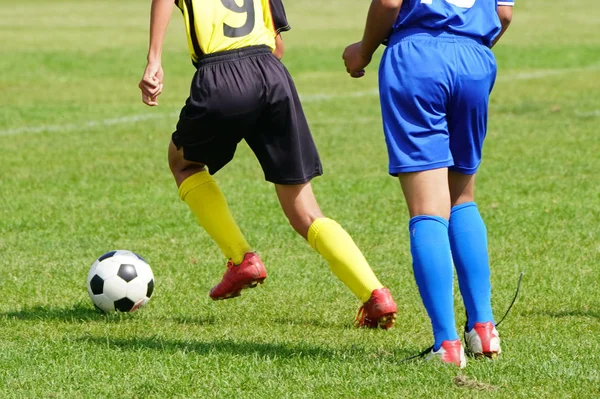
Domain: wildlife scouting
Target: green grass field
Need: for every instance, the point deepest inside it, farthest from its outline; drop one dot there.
(83, 171)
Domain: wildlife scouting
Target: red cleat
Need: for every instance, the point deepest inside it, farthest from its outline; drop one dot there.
(247, 274)
(379, 311)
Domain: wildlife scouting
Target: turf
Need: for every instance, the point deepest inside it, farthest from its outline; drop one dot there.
(83, 171)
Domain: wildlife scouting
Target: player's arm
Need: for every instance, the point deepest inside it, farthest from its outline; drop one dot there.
(152, 81)
(279, 47)
(380, 20)
(276, 17)
(505, 13)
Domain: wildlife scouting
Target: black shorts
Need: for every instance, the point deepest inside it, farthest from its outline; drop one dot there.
(247, 94)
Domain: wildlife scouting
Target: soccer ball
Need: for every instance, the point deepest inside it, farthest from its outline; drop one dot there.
(120, 281)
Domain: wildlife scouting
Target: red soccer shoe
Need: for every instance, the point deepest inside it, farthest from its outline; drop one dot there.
(379, 311)
(247, 274)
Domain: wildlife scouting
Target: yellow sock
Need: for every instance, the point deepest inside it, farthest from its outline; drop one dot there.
(346, 261)
(208, 203)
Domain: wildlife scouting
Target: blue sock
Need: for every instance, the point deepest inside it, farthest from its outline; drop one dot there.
(432, 266)
(468, 238)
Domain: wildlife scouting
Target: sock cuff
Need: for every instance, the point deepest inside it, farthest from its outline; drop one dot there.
(316, 227)
(192, 182)
(421, 218)
(462, 206)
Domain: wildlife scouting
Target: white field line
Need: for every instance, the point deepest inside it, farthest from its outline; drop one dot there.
(84, 126)
(588, 114)
(308, 98)
(311, 98)
(159, 115)
(544, 73)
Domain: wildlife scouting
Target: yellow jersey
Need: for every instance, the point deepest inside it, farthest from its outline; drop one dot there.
(220, 25)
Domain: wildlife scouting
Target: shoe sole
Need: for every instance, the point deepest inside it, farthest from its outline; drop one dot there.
(234, 294)
(387, 321)
(485, 355)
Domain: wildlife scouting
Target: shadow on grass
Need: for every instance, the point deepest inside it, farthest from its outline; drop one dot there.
(75, 314)
(268, 350)
(572, 313)
(248, 348)
(318, 323)
(315, 323)
(195, 320)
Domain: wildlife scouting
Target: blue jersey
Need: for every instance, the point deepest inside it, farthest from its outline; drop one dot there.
(474, 18)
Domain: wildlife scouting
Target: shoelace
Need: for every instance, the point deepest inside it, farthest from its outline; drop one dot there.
(361, 316)
(426, 351)
(514, 299)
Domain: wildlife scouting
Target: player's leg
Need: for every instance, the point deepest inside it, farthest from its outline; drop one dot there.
(428, 202)
(287, 153)
(468, 234)
(336, 246)
(468, 238)
(206, 201)
(211, 124)
(413, 79)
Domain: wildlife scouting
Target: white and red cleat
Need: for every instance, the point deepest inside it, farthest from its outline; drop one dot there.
(483, 340)
(451, 352)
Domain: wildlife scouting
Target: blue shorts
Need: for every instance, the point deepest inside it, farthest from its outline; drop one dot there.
(434, 89)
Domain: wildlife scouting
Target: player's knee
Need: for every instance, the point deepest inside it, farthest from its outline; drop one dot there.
(182, 173)
(176, 166)
(180, 168)
(175, 158)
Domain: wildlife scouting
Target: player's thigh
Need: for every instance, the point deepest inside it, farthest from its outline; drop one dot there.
(467, 121)
(224, 104)
(282, 141)
(414, 84)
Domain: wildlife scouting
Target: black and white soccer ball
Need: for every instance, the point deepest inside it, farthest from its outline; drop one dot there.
(120, 281)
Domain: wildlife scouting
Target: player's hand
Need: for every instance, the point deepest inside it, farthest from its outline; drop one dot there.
(355, 60)
(151, 84)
